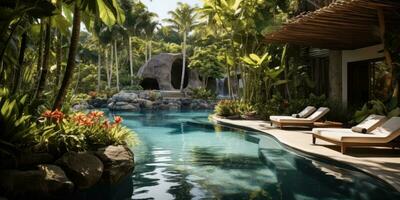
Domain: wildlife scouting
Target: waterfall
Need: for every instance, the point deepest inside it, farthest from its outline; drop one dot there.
(220, 85)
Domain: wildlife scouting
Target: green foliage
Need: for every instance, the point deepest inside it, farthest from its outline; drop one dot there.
(80, 132)
(377, 107)
(226, 108)
(79, 98)
(202, 93)
(205, 60)
(15, 122)
(154, 95)
(236, 108)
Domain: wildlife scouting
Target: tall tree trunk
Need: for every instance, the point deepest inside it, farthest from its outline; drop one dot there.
(228, 70)
(46, 57)
(107, 70)
(40, 51)
(183, 62)
(58, 51)
(150, 48)
(17, 82)
(386, 52)
(116, 64)
(74, 43)
(98, 70)
(130, 60)
(111, 62)
(58, 58)
(145, 51)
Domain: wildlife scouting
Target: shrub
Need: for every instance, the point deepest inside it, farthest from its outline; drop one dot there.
(80, 98)
(154, 95)
(391, 109)
(16, 125)
(226, 108)
(202, 93)
(80, 132)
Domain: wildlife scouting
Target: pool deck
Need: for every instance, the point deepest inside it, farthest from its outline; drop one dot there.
(383, 163)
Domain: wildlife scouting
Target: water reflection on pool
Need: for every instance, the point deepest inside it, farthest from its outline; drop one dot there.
(182, 156)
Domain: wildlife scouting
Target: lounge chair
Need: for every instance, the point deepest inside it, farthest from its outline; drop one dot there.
(293, 121)
(383, 135)
(366, 126)
(303, 114)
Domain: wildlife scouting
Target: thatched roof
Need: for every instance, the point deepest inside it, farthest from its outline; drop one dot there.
(344, 24)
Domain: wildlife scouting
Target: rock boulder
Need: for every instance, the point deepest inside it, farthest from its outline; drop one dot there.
(118, 163)
(84, 169)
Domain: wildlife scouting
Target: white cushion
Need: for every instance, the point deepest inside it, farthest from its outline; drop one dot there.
(307, 111)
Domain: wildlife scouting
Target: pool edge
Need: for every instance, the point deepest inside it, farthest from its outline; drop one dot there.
(219, 121)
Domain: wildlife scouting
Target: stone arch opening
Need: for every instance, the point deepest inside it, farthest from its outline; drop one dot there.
(149, 84)
(176, 74)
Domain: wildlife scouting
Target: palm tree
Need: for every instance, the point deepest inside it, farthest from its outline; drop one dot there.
(137, 19)
(149, 32)
(184, 19)
(108, 13)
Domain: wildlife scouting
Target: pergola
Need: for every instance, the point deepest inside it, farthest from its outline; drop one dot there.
(344, 25)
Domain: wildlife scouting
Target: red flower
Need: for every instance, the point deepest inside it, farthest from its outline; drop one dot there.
(96, 114)
(56, 115)
(117, 119)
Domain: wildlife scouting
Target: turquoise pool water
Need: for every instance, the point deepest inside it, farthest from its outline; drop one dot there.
(183, 156)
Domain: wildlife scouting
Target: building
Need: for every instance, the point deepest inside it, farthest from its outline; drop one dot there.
(346, 40)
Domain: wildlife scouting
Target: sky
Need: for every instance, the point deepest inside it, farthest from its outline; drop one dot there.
(161, 7)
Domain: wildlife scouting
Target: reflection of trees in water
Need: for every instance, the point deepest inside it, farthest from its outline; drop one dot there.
(183, 187)
(307, 179)
(209, 156)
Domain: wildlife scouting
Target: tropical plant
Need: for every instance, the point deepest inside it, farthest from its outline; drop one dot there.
(202, 93)
(207, 62)
(227, 108)
(61, 133)
(391, 109)
(184, 19)
(108, 11)
(16, 125)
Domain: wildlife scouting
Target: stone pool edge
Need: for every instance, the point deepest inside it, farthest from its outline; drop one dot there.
(340, 159)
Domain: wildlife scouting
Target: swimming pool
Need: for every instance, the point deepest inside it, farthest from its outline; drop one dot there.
(183, 156)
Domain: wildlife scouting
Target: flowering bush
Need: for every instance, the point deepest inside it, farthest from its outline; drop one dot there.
(80, 131)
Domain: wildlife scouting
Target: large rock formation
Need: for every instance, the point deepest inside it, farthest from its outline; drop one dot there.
(84, 169)
(164, 71)
(118, 162)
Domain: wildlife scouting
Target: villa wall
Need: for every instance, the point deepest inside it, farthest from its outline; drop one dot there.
(347, 56)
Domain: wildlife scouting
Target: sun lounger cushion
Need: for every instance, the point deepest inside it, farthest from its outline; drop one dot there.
(369, 123)
(313, 118)
(382, 134)
(306, 112)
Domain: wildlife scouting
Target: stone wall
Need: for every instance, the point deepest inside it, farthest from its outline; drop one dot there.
(153, 100)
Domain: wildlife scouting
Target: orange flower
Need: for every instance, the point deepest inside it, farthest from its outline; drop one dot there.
(55, 115)
(106, 124)
(117, 119)
(46, 114)
(96, 114)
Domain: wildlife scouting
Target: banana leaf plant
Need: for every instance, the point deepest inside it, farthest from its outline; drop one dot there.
(270, 75)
